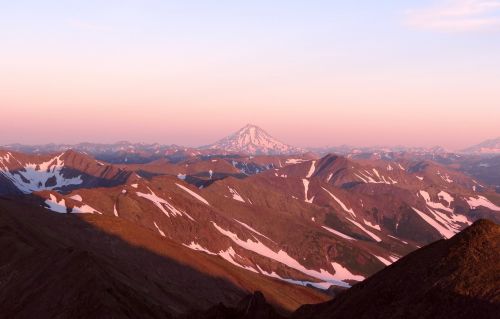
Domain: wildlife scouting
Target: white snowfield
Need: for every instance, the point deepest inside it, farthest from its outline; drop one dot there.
(329, 177)
(368, 177)
(163, 205)
(338, 233)
(159, 230)
(445, 177)
(343, 273)
(481, 201)
(344, 207)
(198, 247)
(374, 226)
(78, 198)
(447, 223)
(280, 256)
(195, 195)
(55, 205)
(236, 195)
(253, 230)
(444, 231)
(60, 207)
(434, 205)
(383, 260)
(446, 197)
(294, 161)
(230, 255)
(312, 169)
(305, 182)
(404, 242)
(85, 209)
(320, 285)
(369, 233)
(34, 177)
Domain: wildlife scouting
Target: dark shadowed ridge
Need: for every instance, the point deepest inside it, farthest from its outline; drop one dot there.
(455, 278)
(253, 306)
(92, 266)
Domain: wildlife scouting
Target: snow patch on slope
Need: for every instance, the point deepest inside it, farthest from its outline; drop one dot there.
(311, 169)
(236, 195)
(444, 231)
(305, 182)
(159, 230)
(280, 256)
(55, 205)
(198, 247)
(446, 197)
(252, 230)
(85, 209)
(34, 177)
(344, 207)
(78, 198)
(343, 273)
(481, 201)
(190, 192)
(338, 233)
(162, 204)
(372, 235)
(432, 204)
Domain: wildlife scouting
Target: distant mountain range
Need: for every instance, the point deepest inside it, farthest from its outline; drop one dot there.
(250, 140)
(487, 147)
(187, 229)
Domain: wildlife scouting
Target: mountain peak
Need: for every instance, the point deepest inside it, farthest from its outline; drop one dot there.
(491, 146)
(252, 130)
(252, 139)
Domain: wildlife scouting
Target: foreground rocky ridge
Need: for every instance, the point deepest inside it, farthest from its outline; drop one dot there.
(454, 278)
(228, 219)
(92, 266)
(350, 218)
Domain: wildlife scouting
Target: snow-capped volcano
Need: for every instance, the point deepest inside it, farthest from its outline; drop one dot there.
(251, 139)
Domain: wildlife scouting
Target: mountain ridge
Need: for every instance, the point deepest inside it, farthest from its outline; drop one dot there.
(488, 147)
(453, 278)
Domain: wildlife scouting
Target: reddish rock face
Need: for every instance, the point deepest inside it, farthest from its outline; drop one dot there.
(292, 220)
(94, 266)
(454, 278)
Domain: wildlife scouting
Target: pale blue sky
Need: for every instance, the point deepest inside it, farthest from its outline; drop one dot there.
(357, 72)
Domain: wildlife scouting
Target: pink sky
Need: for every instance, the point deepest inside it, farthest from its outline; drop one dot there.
(197, 107)
(360, 74)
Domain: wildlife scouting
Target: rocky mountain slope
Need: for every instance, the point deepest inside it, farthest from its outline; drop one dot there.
(350, 217)
(487, 147)
(454, 278)
(93, 266)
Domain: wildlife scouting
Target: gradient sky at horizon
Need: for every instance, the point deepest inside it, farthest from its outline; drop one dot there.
(311, 73)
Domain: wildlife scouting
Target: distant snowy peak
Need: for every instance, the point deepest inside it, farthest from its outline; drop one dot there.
(487, 147)
(251, 139)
